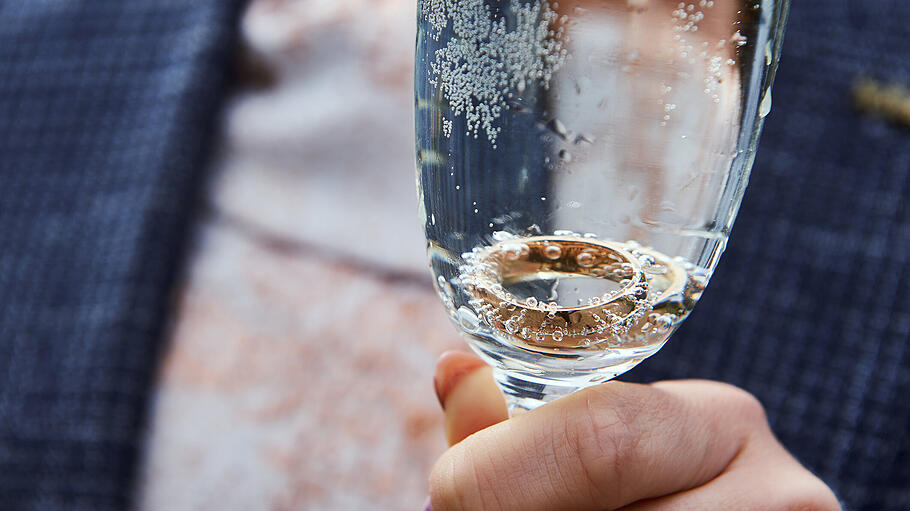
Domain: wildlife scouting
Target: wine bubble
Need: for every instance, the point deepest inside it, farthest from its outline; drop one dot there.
(552, 252)
(585, 259)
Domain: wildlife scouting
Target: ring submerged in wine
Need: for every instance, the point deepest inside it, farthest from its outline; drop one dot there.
(541, 122)
(626, 297)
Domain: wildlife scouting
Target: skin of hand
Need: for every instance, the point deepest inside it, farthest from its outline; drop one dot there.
(672, 445)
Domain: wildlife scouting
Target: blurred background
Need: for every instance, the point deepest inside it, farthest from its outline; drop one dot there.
(299, 371)
(294, 367)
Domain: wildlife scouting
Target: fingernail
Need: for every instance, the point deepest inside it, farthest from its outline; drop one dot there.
(451, 368)
(428, 506)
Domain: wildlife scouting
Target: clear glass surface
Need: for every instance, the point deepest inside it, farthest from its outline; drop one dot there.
(579, 165)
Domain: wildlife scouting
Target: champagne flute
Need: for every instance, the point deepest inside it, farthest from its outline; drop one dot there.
(580, 164)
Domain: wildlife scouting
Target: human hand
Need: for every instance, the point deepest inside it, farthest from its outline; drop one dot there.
(672, 445)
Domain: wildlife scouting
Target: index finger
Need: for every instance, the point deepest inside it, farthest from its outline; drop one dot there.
(601, 448)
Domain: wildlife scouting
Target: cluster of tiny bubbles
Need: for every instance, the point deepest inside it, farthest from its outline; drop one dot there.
(669, 107)
(715, 76)
(503, 236)
(687, 18)
(514, 316)
(486, 59)
(658, 323)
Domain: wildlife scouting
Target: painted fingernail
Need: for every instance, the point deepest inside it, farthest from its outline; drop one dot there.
(451, 368)
(428, 506)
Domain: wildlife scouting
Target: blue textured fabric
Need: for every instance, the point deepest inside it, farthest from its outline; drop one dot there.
(807, 307)
(106, 108)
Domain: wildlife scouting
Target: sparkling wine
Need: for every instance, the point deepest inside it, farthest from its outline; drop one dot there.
(562, 293)
(551, 132)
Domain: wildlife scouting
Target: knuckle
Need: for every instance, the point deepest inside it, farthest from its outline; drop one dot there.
(606, 438)
(813, 496)
(448, 480)
(743, 404)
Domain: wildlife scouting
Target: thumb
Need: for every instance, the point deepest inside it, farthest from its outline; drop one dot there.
(468, 395)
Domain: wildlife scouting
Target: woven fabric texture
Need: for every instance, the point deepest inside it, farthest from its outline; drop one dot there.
(106, 108)
(806, 309)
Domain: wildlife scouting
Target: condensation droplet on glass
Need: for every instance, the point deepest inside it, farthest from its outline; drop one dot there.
(565, 156)
(573, 204)
(531, 301)
(557, 335)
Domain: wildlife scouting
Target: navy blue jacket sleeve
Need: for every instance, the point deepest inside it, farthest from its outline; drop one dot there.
(106, 110)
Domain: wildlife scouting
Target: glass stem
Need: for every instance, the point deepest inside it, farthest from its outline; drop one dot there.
(523, 394)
